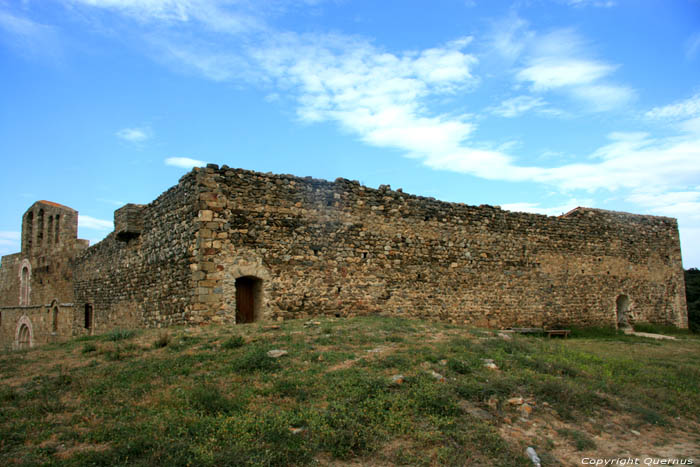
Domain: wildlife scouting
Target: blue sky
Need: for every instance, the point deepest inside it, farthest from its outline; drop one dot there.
(536, 106)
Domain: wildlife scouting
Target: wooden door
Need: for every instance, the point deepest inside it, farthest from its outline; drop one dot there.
(245, 300)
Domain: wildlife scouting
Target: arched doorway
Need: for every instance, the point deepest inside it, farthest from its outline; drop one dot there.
(24, 339)
(24, 335)
(248, 299)
(623, 307)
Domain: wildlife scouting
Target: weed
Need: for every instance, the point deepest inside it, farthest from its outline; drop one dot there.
(459, 366)
(233, 342)
(290, 388)
(89, 347)
(209, 400)
(162, 341)
(581, 441)
(649, 415)
(120, 334)
(256, 360)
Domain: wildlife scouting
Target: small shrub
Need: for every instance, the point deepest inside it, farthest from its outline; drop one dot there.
(7, 394)
(114, 354)
(120, 334)
(290, 388)
(256, 359)
(346, 432)
(650, 416)
(209, 400)
(458, 366)
(162, 341)
(433, 398)
(89, 347)
(581, 440)
(233, 342)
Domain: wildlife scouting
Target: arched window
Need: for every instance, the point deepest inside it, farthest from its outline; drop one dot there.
(54, 319)
(89, 317)
(29, 231)
(49, 231)
(40, 229)
(57, 228)
(25, 278)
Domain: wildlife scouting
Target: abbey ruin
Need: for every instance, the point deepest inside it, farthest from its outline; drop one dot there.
(231, 245)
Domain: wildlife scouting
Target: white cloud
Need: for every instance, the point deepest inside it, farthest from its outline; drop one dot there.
(602, 97)
(30, 38)
(692, 46)
(554, 72)
(184, 162)
(517, 106)
(686, 108)
(560, 61)
(134, 135)
(510, 37)
(685, 204)
(88, 222)
(228, 16)
(595, 3)
(549, 211)
(685, 114)
(111, 201)
(375, 94)
(8, 238)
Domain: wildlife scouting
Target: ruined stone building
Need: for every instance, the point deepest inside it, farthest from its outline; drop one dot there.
(231, 245)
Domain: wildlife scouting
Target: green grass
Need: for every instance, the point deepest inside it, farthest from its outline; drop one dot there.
(212, 396)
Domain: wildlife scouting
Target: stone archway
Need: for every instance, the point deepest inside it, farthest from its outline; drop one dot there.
(622, 307)
(24, 335)
(245, 289)
(249, 299)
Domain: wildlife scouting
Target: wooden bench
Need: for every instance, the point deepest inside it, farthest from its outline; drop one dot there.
(558, 332)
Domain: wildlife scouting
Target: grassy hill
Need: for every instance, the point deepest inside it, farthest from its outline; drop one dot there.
(361, 391)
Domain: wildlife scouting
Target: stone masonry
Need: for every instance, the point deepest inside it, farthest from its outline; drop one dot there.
(234, 245)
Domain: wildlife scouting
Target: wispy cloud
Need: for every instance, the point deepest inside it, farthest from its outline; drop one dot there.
(686, 108)
(559, 61)
(233, 18)
(113, 202)
(9, 238)
(29, 38)
(134, 135)
(516, 106)
(555, 72)
(537, 208)
(377, 95)
(184, 162)
(685, 114)
(92, 223)
(692, 46)
(595, 3)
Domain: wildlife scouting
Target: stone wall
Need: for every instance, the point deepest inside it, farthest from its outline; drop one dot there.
(235, 245)
(343, 249)
(140, 275)
(51, 322)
